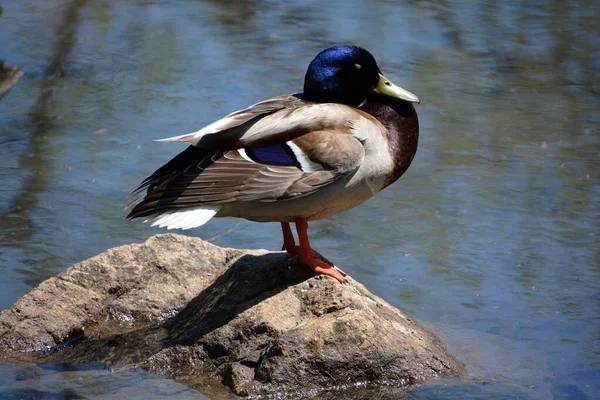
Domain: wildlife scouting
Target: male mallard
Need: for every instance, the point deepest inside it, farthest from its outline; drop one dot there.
(294, 158)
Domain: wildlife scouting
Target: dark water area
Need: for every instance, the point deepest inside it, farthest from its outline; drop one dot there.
(491, 239)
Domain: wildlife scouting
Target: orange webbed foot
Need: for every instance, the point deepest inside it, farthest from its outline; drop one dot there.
(295, 250)
(312, 258)
(324, 268)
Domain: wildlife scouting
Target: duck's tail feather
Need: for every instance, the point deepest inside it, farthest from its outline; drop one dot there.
(154, 203)
(185, 218)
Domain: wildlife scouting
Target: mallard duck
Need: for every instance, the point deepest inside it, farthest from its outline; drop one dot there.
(293, 158)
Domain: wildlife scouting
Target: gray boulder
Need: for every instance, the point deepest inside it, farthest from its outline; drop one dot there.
(217, 319)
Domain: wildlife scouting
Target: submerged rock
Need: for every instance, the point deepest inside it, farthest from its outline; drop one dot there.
(256, 321)
(9, 77)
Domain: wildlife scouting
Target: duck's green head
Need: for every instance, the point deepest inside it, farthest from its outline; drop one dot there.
(348, 74)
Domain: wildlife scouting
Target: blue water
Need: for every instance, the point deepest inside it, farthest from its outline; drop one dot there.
(491, 239)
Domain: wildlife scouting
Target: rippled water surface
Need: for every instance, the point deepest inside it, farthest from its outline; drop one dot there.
(491, 238)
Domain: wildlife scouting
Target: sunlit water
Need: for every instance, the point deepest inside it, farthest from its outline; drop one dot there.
(491, 239)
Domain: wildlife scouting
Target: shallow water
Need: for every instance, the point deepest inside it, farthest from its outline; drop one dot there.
(491, 238)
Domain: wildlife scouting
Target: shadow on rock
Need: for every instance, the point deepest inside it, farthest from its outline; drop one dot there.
(249, 281)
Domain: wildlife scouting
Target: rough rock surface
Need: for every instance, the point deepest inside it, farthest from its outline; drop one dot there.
(256, 321)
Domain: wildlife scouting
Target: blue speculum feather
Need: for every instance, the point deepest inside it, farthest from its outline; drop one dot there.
(279, 154)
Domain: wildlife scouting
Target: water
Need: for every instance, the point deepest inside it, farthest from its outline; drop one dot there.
(491, 238)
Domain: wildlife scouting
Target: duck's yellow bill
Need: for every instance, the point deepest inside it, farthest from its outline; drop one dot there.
(385, 87)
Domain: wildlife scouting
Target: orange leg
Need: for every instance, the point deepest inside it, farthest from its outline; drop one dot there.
(310, 257)
(289, 244)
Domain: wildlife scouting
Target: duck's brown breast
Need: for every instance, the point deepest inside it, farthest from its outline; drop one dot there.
(402, 124)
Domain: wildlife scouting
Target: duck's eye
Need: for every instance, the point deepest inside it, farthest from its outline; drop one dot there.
(357, 66)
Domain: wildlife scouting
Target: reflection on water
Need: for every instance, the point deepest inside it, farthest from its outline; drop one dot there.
(491, 238)
(64, 382)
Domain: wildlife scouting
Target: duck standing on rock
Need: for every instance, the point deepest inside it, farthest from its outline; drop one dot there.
(293, 158)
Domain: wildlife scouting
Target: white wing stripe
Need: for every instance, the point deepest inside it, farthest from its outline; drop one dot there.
(305, 163)
(245, 156)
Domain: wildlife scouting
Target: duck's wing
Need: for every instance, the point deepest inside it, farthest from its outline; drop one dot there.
(199, 177)
(270, 122)
(287, 153)
(236, 122)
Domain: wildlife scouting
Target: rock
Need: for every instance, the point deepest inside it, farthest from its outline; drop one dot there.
(256, 321)
(8, 78)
